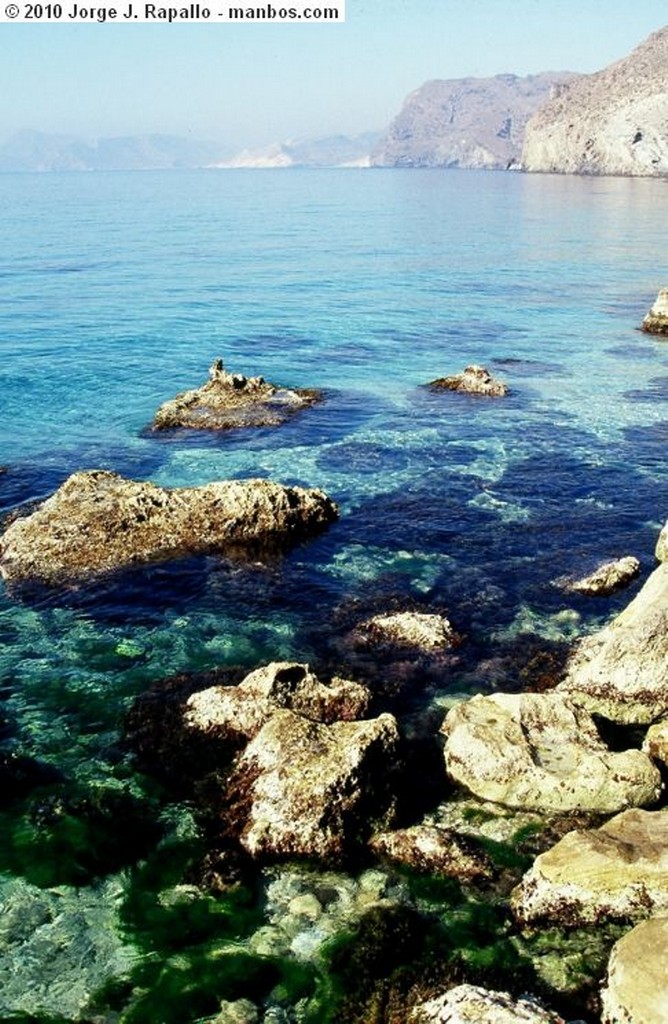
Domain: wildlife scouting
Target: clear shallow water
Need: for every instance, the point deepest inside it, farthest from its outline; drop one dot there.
(118, 290)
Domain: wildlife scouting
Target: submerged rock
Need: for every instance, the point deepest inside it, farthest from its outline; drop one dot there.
(637, 985)
(229, 400)
(470, 1004)
(98, 521)
(621, 672)
(656, 321)
(244, 709)
(618, 871)
(302, 788)
(607, 578)
(540, 751)
(438, 851)
(475, 380)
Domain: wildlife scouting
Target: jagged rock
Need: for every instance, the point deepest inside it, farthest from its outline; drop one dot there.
(98, 521)
(437, 851)
(229, 400)
(621, 672)
(661, 550)
(540, 751)
(464, 122)
(656, 321)
(470, 1004)
(475, 380)
(618, 871)
(245, 708)
(656, 742)
(423, 631)
(611, 122)
(636, 991)
(607, 578)
(301, 788)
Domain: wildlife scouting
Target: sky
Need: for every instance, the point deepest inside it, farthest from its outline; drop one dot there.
(253, 84)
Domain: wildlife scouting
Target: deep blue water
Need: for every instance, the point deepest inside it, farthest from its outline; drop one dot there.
(118, 290)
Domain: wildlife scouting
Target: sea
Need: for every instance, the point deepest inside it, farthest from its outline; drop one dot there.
(118, 290)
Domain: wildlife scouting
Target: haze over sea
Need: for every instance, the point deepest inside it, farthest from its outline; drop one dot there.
(118, 290)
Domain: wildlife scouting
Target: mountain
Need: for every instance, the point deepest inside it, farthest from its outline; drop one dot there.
(465, 122)
(330, 151)
(41, 151)
(611, 122)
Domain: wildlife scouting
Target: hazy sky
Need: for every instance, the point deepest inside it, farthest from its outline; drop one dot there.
(253, 84)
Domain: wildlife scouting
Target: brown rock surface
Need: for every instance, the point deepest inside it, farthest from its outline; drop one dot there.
(475, 380)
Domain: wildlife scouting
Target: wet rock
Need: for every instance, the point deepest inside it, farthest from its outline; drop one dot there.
(466, 1004)
(618, 871)
(656, 742)
(607, 578)
(542, 752)
(423, 631)
(621, 672)
(301, 788)
(98, 521)
(475, 380)
(656, 321)
(661, 550)
(238, 1011)
(245, 708)
(437, 851)
(230, 400)
(637, 983)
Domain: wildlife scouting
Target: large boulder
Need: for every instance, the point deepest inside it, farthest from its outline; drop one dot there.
(470, 1004)
(243, 709)
(98, 521)
(656, 321)
(621, 672)
(607, 578)
(475, 380)
(540, 751)
(422, 631)
(302, 788)
(636, 991)
(436, 851)
(229, 400)
(618, 871)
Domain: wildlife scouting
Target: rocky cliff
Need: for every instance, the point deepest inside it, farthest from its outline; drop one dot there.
(611, 122)
(465, 122)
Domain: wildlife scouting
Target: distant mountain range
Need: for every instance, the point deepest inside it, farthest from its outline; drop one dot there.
(331, 151)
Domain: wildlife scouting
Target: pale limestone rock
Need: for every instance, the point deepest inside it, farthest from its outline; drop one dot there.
(621, 672)
(245, 708)
(438, 851)
(230, 400)
(607, 578)
(661, 550)
(656, 741)
(313, 790)
(470, 1004)
(618, 871)
(611, 122)
(656, 321)
(424, 631)
(540, 751)
(636, 991)
(98, 521)
(475, 380)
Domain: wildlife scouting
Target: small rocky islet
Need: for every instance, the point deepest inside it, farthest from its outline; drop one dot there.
(545, 824)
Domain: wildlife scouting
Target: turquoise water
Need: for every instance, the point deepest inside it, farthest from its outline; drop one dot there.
(117, 290)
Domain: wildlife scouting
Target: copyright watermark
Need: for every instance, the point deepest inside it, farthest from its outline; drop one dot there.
(293, 12)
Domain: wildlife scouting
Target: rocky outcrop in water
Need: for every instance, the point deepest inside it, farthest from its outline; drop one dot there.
(98, 521)
(474, 380)
(464, 122)
(607, 578)
(618, 871)
(540, 751)
(471, 1004)
(611, 122)
(621, 672)
(636, 987)
(230, 400)
(656, 321)
(422, 631)
(438, 851)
